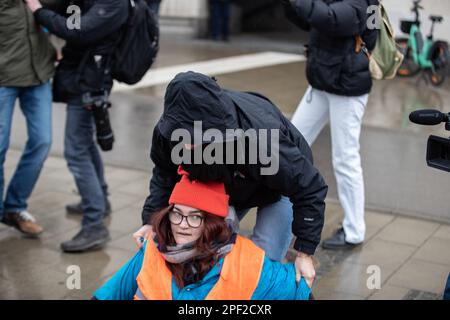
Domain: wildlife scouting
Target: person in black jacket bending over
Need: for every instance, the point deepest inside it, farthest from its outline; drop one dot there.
(289, 192)
(339, 85)
(83, 81)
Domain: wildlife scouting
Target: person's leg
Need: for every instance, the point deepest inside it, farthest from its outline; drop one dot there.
(346, 115)
(215, 19)
(311, 114)
(36, 105)
(99, 168)
(76, 208)
(8, 97)
(78, 142)
(226, 12)
(273, 228)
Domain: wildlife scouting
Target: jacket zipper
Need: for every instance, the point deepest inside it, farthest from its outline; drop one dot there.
(29, 43)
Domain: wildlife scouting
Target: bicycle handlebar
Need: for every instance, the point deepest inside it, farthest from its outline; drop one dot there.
(417, 6)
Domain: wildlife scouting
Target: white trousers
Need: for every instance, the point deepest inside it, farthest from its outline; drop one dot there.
(345, 116)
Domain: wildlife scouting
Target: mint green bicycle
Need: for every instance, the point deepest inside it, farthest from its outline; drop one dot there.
(429, 56)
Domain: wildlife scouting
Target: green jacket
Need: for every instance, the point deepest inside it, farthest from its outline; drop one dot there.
(26, 55)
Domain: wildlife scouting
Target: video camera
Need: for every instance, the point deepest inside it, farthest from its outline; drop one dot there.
(99, 104)
(438, 148)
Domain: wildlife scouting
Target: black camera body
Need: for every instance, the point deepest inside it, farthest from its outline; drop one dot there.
(438, 153)
(438, 148)
(99, 104)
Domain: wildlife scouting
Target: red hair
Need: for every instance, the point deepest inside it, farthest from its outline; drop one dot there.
(215, 230)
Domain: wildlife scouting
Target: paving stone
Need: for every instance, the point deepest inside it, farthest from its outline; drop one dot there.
(138, 187)
(443, 232)
(125, 242)
(435, 250)
(388, 292)
(422, 295)
(351, 278)
(382, 253)
(44, 284)
(95, 266)
(121, 200)
(421, 275)
(338, 296)
(125, 220)
(325, 290)
(46, 204)
(52, 184)
(376, 221)
(56, 163)
(59, 222)
(116, 177)
(408, 231)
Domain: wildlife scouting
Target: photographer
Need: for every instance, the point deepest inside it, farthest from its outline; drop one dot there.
(83, 81)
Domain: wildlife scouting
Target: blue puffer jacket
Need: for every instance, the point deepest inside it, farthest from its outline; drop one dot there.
(277, 282)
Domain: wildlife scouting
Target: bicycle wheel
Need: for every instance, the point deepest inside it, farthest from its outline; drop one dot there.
(408, 67)
(439, 56)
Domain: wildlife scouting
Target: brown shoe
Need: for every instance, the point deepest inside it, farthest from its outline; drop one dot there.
(24, 222)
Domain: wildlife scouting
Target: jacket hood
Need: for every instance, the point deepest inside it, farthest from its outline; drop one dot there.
(192, 96)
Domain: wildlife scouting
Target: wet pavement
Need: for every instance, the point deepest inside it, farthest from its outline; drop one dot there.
(412, 253)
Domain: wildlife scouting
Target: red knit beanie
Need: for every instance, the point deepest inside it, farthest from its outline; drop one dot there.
(209, 197)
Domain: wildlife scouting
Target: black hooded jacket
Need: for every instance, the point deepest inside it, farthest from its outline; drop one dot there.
(100, 24)
(192, 96)
(333, 65)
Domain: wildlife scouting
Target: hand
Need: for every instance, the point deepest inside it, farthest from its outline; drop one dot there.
(33, 5)
(145, 232)
(304, 267)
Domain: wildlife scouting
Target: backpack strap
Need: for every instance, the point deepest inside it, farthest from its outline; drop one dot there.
(360, 45)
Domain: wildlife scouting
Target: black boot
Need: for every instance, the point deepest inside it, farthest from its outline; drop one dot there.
(337, 242)
(88, 238)
(75, 208)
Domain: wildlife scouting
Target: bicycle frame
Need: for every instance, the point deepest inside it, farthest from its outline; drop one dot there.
(420, 57)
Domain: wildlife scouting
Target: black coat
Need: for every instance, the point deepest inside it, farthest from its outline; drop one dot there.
(333, 65)
(192, 96)
(78, 72)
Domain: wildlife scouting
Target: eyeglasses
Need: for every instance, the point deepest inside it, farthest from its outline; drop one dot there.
(194, 221)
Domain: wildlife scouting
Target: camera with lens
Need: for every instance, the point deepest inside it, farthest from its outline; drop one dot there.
(438, 148)
(99, 104)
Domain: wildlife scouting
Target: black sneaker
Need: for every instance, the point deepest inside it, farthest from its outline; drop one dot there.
(87, 239)
(75, 208)
(337, 242)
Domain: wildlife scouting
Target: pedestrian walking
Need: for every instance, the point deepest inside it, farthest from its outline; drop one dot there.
(339, 86)
(26, 67)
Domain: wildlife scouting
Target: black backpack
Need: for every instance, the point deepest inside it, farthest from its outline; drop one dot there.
(138, 44)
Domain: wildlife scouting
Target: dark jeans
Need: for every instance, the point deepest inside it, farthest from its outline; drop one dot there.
(36, 106)
(220, 19)
(85, 162)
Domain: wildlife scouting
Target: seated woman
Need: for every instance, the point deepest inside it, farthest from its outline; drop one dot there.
(196, 254)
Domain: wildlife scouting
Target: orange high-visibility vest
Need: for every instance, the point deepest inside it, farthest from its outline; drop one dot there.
(238, 279)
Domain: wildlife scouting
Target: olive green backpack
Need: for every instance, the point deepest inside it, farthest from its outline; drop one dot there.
(385, 58)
